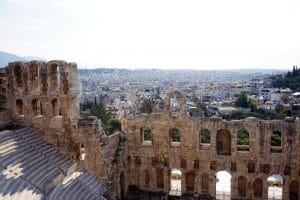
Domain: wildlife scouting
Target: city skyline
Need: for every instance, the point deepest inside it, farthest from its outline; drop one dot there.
(169, 34)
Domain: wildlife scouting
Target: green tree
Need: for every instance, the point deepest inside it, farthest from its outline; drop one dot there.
(114, 125)
(242, 100)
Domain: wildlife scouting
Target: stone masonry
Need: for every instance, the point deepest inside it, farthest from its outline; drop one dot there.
(45, 97)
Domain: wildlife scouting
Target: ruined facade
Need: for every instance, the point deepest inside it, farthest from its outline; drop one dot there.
(199, 154)
(45, 96)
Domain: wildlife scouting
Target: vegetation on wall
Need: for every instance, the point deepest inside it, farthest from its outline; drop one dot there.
(90, 108)
(243, 137)
(205, 135)
(276, 139)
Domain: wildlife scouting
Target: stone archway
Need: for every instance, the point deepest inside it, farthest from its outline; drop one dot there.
(175, 182)
(275, 183)
(223, 142)
(223, 185)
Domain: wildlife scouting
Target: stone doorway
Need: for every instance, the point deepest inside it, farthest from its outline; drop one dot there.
(275, 183)
(223, 185)
(175, 182)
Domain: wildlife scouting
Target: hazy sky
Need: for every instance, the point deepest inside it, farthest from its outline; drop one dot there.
(197, 34)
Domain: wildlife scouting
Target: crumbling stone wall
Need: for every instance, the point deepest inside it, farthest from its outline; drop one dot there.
(250, 166)
(45, 96)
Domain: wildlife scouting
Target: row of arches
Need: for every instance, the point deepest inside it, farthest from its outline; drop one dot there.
(274, 183)
(34, 76)
(37, 108)
(223, 139)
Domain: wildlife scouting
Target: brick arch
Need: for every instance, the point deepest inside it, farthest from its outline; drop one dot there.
(223, 142)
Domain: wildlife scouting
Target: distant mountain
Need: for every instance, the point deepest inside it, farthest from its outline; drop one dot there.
(5, 58)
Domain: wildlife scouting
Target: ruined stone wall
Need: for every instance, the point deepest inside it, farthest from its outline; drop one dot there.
(45, 96)
(149, 162)
(4, 112)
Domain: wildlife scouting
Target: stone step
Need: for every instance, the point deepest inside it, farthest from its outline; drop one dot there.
(17, 156)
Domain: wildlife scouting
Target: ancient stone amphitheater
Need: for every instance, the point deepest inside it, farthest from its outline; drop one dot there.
(48, 152)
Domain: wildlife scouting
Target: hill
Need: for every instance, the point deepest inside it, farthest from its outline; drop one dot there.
(6, 57)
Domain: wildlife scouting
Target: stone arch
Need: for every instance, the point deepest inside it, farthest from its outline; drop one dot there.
(223, 185)
(275, 186)
(53, 76)
(276, 141)
(36, 107)
(204, 183)
(19, 107)
(258, 188)
(55, 107)
(294, 190)
(190, 181)
(179, 97)
(160, 177)
(204, 136)
(175, 135)
(243, 140)
(147, 177)
(18, 75)
(242, 186)
(34, 76)
(175, 182)
(146, 135)
(223, 142)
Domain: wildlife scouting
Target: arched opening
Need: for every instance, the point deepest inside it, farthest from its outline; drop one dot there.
(190, 181)
(223, 185)
(147, 136)
(147, 177)
(294, 190)
(19, 107)
(53, 76)
(204, 138)
(258, 188)
(242, 186)
(276, 142)
(81, 152)
(55, 107)
(275, 183)
(223, 142)
(18, 75)
(36, 107)
(204, 183)
(175, 136)
(175, 189)
(160, 177)
(174, 104)
(243, 140)
(33, 73)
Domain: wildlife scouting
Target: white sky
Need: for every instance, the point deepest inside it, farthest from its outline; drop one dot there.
(194, 34)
